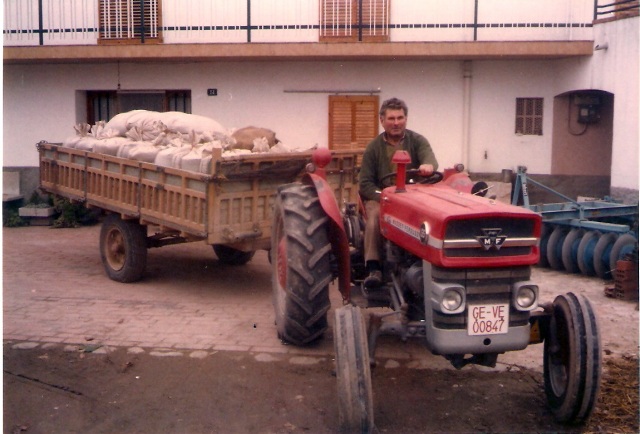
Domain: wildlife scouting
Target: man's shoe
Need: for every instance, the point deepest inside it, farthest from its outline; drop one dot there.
(373, 280)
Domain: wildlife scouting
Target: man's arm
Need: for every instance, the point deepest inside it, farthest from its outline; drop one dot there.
(426, 156)
(368, 187)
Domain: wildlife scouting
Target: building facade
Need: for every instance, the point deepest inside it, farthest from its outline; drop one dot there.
(551, 85)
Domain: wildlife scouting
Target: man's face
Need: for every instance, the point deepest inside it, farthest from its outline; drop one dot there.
(394, 123)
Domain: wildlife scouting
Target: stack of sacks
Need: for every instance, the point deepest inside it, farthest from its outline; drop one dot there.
(171, 139)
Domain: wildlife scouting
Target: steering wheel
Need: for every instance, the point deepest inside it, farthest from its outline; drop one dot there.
(430, 179)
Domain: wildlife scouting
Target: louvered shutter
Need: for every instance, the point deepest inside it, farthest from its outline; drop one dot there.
(129, 21)
(353, 121)
(375, 24)
(340, 20)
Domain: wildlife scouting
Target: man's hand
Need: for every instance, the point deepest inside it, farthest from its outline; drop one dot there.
(425, 169)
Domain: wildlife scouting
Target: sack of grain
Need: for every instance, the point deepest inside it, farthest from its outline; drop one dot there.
(171, 156)
(110, 146)
(244, 137)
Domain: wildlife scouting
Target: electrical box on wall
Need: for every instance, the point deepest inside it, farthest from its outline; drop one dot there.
(588, 108)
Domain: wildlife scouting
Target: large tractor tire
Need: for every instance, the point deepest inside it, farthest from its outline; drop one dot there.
(572, 359)
(230, 256)
(353, 371)
(123, 248)
(301, 265)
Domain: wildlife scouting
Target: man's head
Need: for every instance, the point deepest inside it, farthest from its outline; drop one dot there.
(393, 118)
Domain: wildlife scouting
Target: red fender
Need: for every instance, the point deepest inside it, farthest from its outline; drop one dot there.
(337, 235)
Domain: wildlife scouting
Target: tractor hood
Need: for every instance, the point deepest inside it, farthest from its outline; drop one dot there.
(455, 229)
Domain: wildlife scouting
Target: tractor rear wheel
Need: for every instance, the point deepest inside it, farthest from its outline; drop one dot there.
(572, 359)
(123, 248)
(353, 371)
(300, 263)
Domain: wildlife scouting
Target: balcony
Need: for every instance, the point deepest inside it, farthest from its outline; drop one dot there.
(153, 30)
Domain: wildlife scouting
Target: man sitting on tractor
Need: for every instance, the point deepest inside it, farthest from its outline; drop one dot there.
(376, 164)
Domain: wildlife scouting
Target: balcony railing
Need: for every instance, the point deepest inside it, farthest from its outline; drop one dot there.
(78, 22)
(616, 9)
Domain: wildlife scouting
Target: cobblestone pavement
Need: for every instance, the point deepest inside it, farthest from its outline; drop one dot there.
(55, 290)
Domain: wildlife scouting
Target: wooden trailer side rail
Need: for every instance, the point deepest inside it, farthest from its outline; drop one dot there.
(232, 205)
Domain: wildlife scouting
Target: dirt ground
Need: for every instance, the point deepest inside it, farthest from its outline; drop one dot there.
(89, 388)
(55, 389)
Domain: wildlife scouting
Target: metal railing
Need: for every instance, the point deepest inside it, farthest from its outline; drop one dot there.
(616, 9)
(77, 22)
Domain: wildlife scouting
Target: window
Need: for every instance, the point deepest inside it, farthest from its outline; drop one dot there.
(353, 121)
(354, 20)
(529, 116)
(129, 21)
(103, 105)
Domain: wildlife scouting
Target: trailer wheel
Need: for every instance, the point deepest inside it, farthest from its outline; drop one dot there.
(572, 359)
(570, 250)
(301, 265)
(230, 256)
(602, 255)
(353, 371)
(585, 252)
(554, 247)
(624, 245)
(123, 248)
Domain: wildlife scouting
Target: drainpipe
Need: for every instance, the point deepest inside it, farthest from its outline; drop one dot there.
(466, 111)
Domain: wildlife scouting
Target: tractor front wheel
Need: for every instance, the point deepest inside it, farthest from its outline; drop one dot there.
(300, 261)
(353, 371)
(572, 359)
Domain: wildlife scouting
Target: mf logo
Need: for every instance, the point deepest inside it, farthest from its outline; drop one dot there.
(491, 238)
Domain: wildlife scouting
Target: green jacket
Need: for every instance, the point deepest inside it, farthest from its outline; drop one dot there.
(376, 162)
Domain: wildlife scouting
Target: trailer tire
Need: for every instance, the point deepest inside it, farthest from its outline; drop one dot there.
(585, 252)
(554, 247)
(570, 250)
(301, 266)
(123, 249)
(624, 245)
(572, 359)
(602, 255)
(353, 371)
(230, 256)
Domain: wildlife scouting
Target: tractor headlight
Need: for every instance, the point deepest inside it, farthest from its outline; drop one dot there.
(452, 300)
(525, 296)
(448, 298)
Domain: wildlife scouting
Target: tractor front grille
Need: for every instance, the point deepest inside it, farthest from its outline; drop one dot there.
(490, 237)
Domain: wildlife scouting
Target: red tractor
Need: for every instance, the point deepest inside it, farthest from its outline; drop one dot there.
(457, 273)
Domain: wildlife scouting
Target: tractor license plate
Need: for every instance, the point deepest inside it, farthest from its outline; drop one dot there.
(487, 319)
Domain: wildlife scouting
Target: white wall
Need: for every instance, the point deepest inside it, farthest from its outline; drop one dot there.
(40, 102)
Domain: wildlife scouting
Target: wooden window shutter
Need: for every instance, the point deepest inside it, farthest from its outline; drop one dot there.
(130, 21)
(353, 121)
(354, 20)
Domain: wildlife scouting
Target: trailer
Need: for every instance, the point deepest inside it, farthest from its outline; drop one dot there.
(588, 236)
(147, 206)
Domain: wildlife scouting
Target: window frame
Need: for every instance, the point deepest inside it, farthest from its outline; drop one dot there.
(126, 29)
(346, 20)
(359, 120)
(529, 116)
(110, 99)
